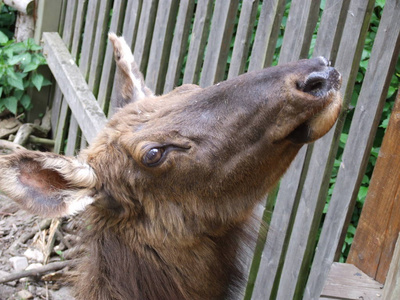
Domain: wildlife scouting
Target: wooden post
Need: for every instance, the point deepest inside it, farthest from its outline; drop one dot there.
(379, 225)
(392, 286)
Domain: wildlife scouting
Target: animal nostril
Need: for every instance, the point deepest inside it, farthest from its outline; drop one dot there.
(314, 85)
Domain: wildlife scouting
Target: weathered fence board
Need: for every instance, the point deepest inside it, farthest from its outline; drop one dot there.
(360, 139)
(315, 186)
(161, 44)
(198, 41)
(382, 200)
(220, 39)
(108, 70)
(303, 17)
(57, 99)
(179, 44)
(392, 285)
(80, 99)
(287, 199)
(267, 34)
(145, 33)
(99, 46)
(242, 37)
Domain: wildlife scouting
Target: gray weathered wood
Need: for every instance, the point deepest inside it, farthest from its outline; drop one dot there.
(145, 33)
(198, 41)
(291, 184)
(330, 29)
(300, 25)
(161, 45)
(242, 37)
(392, 284)
(346, 281)
(84, 59)
(67, 38)
(99, 45)
(267, 34)
(108, 70)
(131, 21)
(61, 132)
(282, 217)
(315, 188)
(362, 132)
(80, 99)
(179, 44)
(219, 42)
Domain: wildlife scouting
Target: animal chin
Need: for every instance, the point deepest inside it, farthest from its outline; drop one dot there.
(319, 124)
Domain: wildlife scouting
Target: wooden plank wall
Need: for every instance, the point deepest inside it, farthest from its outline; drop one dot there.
(189, 41)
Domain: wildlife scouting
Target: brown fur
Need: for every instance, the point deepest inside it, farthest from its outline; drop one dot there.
(173, 180)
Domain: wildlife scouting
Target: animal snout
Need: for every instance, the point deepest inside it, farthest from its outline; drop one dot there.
(320, 83)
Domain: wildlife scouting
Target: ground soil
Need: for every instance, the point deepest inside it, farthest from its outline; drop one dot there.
(14, 223)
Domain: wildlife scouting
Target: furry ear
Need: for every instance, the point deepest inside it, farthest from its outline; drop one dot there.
(47, 184)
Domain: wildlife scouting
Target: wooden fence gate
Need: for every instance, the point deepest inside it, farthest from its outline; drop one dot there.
(206, 41)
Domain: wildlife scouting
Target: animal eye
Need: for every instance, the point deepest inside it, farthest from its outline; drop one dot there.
(153, 156)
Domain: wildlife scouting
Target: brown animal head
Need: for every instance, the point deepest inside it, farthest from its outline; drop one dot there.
(171, 181)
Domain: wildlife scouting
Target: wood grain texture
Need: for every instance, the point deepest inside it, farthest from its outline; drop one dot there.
(346, 281)
(84, 106)
(242, 37)
(108, 69)
(379, 224)
(179, 44)
(198, 41)
(161, 45)
(267, 34)
(362, 132)
(218, 42)
(313, 195)
(392, 284)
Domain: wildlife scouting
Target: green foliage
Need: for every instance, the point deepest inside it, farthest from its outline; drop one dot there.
(18, 72)
(7, 20)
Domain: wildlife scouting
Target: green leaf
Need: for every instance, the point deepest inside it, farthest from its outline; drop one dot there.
(11, 104)
(1, 91)
(26, 101)
(37, 80)
(16, 82)
(3, 38)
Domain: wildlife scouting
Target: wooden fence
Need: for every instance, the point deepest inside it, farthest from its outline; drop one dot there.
(191, 41)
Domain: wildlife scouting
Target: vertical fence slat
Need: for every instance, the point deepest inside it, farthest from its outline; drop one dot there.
(198, 41)
(90, 18)
(266, 34)
(99, 45)
(362, 132)
(108, 70)
(303, 17)
(290, 188)
(242, 37)
(145, 34)
(179, 44)
(315, 187)
(67, 38)
(161, 44)
(219, 42)
(131, 21)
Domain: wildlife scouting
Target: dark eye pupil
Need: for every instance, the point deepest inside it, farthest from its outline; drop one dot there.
(153, 156)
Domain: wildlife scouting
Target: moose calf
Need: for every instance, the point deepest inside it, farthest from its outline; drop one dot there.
(170, 183)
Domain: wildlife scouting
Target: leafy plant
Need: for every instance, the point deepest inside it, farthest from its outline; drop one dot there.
(18, 72)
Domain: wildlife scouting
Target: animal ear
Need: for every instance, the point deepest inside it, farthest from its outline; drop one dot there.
(129, 83)
(47, 184)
